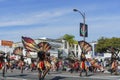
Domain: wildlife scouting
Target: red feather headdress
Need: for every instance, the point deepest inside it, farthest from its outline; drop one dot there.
(31, 46)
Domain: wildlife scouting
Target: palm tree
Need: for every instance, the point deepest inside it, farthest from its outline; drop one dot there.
(70, 39)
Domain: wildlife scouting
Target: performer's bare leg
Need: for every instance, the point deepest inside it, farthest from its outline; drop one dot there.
(81, 72)
(40, 74)
(48, 66)
(46, 71)
(21, 69)
(86, 72)
(3, 71)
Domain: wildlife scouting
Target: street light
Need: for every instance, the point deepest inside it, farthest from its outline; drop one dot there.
(83, 15)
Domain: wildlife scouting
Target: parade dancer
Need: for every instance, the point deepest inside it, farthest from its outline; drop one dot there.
(2, 63)
(8, 63)
(83, 66)
(41, 49)
(19, 51)
(85, 47)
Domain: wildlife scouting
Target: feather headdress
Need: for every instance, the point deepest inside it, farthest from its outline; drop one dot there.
(18, 51)
(31, 46)
(85, 46)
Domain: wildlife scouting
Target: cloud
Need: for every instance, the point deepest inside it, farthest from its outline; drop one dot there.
(38, 32)
(57, 22)
(31, 18)
(49, 20)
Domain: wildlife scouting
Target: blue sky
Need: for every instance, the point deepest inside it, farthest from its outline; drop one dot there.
(54, 18)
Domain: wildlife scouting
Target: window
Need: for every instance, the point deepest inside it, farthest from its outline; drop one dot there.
(65, 45)
(73, 46)
(76, 47)
(77, 54)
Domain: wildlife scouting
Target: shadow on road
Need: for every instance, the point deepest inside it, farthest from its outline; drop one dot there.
(20, 75)
(57, 78)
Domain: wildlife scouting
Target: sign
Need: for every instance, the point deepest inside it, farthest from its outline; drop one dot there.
(6, 43)
(83, 30)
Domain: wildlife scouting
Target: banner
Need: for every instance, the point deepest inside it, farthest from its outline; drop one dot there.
(6, 43)
(83, 30)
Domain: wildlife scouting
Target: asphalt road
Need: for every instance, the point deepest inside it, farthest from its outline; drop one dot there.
(28, 75)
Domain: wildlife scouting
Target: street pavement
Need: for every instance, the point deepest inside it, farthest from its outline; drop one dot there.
(28, 75)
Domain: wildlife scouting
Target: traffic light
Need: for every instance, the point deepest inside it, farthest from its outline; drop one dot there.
(83, 30)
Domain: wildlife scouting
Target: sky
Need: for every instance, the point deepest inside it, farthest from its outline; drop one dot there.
(55, 18)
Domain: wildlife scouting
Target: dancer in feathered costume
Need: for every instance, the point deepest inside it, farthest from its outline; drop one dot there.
(85, 47)
(19, 51)
(41, 49)
(2, 63)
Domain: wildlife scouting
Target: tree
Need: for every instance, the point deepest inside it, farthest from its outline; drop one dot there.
(71, 41)
(111, 45)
